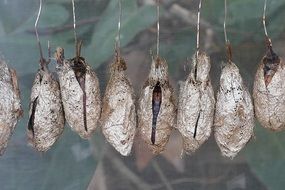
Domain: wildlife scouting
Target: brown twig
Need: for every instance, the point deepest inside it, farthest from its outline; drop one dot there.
(228, 45)
(229, 52)
(163, 178)
(206, 181)
(125, 171)
(99, 179)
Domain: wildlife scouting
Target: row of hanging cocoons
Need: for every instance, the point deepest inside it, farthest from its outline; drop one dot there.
(74, 97)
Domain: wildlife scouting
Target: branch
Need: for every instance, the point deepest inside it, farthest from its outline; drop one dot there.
(202, 181)
(125, 171)
(161, 175)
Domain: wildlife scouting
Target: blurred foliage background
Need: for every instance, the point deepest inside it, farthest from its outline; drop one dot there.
(73, 163)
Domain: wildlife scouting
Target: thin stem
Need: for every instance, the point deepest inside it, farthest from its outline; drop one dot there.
(78, 48)
(225, 20)
(37, 35)
(118, 44)
(49, 52)
(228, 45)
(198, 29)
(264, 17)
(268, 40)
(270, 53)
(74, 27)
(157, 16)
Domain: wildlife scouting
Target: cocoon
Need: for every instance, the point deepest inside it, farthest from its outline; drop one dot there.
(46, 117)
(269, 92)
(157, 108)
(118, 118)
(80, 93)
(196, 105)
(10, 103)
(234, 117)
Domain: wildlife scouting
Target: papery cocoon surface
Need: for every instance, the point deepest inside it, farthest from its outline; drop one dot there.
(196, 104)
(118, 118)
(157, 108)
(80, 93)
(269, 92)
(46, 117)
(10, 104)
(234, 117)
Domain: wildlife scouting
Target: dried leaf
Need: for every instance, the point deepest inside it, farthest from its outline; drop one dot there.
(157, 109)
(196, 105)
(142, 153)
(46, 118)
(98, 180)
(118, 119)
(172, 153)
(10, 104)
(234, 118)
(174, 150)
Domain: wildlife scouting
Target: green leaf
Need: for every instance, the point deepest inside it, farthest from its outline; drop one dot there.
(15, 46)
(247, 7)
(180, 48)
(134, 20)
(240, 23)
(266, 157)
(52, 15)
(244, 19)
(14, 13)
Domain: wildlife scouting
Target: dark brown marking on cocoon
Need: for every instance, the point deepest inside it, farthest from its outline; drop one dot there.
(195, 70)
(271, 62)
(120, 64)
(32, 118)
(82, 85)
(196, 125)
(157, 62)
(156, 103)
